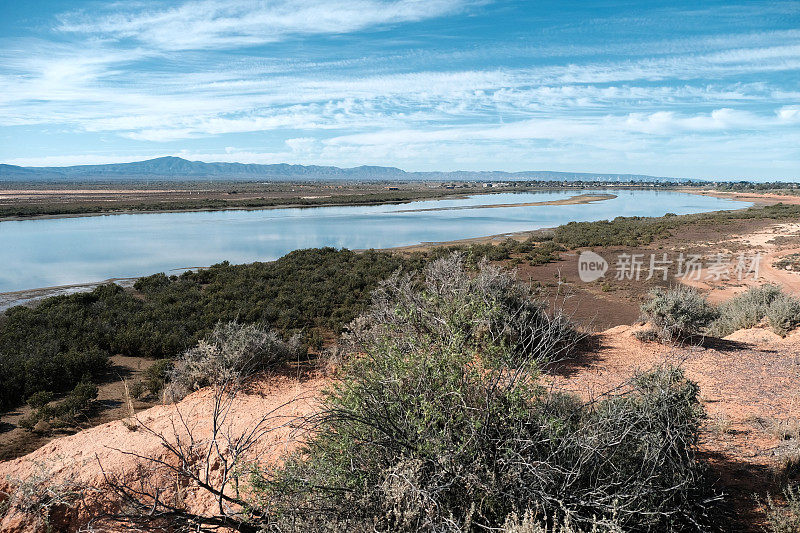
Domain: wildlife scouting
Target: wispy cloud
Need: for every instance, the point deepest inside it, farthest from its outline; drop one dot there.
(288, 79)
(211, 24)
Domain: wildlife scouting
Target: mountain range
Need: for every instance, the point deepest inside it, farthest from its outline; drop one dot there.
(178, 169)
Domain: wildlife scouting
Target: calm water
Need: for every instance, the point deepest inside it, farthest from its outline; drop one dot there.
(45, 253)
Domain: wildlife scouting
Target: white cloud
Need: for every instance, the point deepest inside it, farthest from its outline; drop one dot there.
(596, 130)
(211, 24)
(301, 144)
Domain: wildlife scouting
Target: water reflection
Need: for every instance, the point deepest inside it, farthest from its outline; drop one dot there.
(43, 253)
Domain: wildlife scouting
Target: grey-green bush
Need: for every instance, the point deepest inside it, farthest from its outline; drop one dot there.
(783, 314)
(785, 518)
(749, 308)
(434, 441)
(439, 424)
(232, 353)
(679, 312)
(490, 312)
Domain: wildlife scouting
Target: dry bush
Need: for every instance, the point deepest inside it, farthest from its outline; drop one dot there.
(40, 499)
(785, 518)
(431, 442)
(783, 314)
(648, 335)
(749, 308)
(528, 523)
(680, 313)
(158, 493)
(490, 312)
(232, 352)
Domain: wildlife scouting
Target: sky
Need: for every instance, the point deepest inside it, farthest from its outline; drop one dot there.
(698, 89)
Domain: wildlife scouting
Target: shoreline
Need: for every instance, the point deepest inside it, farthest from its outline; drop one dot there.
(31, 296)
(572, 200)
(442, 196)
(755, 198)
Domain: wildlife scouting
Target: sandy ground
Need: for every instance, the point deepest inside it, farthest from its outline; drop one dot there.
(748, 386)
(762, 199)
(572, 200)
(82, 461)
(771, 242)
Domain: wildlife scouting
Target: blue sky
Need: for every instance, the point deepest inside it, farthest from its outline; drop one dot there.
(704, 89)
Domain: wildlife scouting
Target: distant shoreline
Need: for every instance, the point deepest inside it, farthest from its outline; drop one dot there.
(369, 199)
(572, 200)
(754, 197)
(25, 296)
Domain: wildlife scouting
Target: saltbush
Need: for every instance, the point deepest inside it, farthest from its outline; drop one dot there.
(438, 423)
(490, 312)
(232, 353)
(679, 313)
(783, 314)
(751, 307)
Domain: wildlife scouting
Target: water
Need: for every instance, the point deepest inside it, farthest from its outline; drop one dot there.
(46, 253)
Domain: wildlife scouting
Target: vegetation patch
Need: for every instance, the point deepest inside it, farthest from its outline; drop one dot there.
(432, 428)
(785, 518)
(231, 353)
(748, 309)
(789, 262)
(637, 231)
(68, 339)
(50, 415)
(679, 313)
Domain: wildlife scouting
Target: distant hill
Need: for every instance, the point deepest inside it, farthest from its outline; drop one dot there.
(178, 169)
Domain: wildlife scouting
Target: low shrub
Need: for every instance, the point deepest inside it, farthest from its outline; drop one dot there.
(430, 440)
(490, 312)
(785, 518)
(751, 307)
(745, 310)
(679, 313)
(62, 413)
(232, 353)
(156, 376)
(647, 334)
(545, 252)
(438, 423)
(783, 314)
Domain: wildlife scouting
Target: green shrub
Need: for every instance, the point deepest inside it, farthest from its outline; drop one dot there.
(64, 339)
(40, 399)
(545, 252)
(156, 376)
(783, 314)
(749, 308)
(679, 313)
(64, 412)
(438, 423)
